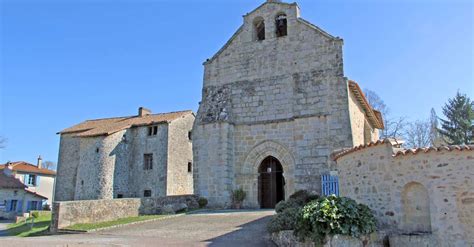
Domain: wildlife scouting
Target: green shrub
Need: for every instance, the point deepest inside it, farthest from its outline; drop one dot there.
(284, 220)
(334, 215)
(202, 202)
(35, 214)
(238, 195)
(303, 196)
(284, 205)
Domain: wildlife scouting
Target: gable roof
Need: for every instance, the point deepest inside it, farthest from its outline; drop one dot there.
(21, 166)
(107, 126)
(374, 116)
(10, 182)
(241, 28)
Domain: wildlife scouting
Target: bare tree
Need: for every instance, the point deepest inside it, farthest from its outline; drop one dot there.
(418, 134)
(394, 127)
(50, 165)
(3, 142)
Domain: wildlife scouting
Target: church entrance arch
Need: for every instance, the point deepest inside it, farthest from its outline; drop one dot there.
(271, 182)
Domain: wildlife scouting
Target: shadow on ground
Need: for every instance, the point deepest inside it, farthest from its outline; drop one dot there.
(253, 233)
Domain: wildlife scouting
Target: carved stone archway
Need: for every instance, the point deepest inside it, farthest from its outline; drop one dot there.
(247, 176)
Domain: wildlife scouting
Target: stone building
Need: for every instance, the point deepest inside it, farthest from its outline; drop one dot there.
(275, 105)
(426, 191)
(146, 155)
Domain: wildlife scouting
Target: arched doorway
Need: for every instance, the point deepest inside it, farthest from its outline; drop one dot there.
(271, 183)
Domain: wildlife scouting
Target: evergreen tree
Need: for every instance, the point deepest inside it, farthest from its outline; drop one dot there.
(457, 128)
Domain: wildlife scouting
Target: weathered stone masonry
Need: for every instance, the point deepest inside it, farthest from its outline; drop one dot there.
(285, 97)
(104, 158)
(428, 190)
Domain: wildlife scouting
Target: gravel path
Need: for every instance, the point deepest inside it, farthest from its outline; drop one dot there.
(211, 228)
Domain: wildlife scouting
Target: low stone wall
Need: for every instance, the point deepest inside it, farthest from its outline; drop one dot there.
(414, 240)
(68, 213)
(287, 239)
(417, 191)
(154, 205)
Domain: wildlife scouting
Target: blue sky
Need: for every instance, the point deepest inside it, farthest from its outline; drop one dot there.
(63, 62)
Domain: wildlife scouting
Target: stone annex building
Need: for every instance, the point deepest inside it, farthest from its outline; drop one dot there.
(147, 155)
(275, 105)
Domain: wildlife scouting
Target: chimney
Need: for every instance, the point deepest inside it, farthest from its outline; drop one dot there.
(40, 162)
(142, 111)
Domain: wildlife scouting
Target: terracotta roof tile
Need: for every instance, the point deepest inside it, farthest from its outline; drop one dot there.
(374, 116)
(21, 166)
(434, 149)
(109, 126)
(339, 153)
(400, 151)
(10, 182)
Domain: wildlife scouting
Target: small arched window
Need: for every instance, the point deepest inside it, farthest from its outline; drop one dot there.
(281, 25)
(259, 28)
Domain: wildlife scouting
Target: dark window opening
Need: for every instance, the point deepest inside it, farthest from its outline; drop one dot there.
(13, 205)
(147, 161)
(97, 150)
(82, 182)
(259, 26)
(31, 180)
(190, 167)
(147, 193)
(152, 130)
(281, 25)
(119, 195)
(190, 135)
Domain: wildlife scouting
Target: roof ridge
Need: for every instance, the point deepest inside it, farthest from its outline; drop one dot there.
(134, 116)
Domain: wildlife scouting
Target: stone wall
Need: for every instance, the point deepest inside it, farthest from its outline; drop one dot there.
(180, 153)
(362, 131)
(284, 95)
(155, 179)
(68, 213)
(110, 166)
(68, 162)
(287, 239)
(413, 191)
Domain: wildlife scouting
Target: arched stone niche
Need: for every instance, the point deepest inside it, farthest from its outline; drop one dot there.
(416, 209)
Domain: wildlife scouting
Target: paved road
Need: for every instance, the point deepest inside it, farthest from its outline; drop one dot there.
(3, 226)
(213, 228)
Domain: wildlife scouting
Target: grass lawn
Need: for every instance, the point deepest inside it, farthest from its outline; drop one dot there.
(92, 226)
(22, 229)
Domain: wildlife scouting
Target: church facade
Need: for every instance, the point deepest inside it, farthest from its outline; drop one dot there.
(275, 105)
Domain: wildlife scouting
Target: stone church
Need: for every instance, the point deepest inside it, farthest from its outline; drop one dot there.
(275, 105)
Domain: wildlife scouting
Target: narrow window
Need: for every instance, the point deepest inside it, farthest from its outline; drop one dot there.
(281, 25)
(97, 150)
(13, 205)
(147, 161)
(119, 195)
(190, 135)
(147, 193)
(259, 28)
(152, 130)
(31, 180)
(190, 167)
